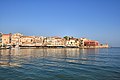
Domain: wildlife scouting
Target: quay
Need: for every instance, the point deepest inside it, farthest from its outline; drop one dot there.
(38, 47)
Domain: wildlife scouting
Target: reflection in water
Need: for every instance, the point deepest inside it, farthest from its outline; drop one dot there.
(60, 64)
(9, 57)
(4, 62)
(18, 56)
(88, 56)
(6, 58)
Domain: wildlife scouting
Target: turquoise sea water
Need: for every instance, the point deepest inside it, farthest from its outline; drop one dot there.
(60, 64)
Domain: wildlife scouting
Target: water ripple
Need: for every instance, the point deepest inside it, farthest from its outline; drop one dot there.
(60, 64)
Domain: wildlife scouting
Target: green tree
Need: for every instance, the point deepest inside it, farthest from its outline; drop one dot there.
(67, 37)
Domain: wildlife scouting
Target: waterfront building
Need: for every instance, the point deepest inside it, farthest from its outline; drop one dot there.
(103, 46)
(0, 38)
(15, 39)
(72, 42)
(18, 39)
(27, 41)
(84, 42)
(38, 40)
(91, 43)
(48, 41)
(6, 39)
(54, 41)
(58, 41)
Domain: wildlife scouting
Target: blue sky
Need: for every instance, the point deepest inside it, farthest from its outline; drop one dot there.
(94, 19)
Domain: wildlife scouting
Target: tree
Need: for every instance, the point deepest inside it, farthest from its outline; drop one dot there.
(67, 37)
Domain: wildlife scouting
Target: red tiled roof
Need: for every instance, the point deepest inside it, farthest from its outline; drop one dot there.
(27, 36)
(6, 34)
(90, 41)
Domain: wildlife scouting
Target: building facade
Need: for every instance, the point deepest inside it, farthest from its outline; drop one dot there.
(58, 41)
(26, 41)
(54, 41)
(0, 39)
(72, 42)
(87, 42)
(6, 39)
(15, 39)
(38, 40)
(91, 43)
(18, 39)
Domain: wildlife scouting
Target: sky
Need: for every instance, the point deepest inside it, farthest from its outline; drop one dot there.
(93, 19)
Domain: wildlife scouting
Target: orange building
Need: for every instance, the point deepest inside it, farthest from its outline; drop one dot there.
(6, 39)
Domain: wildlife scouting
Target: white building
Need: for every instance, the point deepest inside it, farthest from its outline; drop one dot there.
(15, 38)
(72, 42)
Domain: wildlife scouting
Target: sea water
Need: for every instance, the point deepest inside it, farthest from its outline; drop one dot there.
(60, 64)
